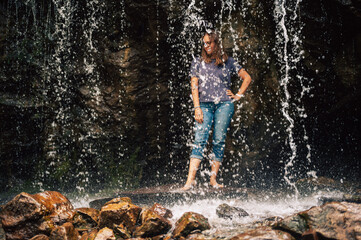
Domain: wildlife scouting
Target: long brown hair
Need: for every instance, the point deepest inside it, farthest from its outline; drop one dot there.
(221, 56)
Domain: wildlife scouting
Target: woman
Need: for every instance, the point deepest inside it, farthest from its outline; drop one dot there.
(213, 103)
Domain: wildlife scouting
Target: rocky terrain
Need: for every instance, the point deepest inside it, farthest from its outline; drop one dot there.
(50, 215)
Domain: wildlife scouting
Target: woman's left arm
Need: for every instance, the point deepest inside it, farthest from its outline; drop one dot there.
(246, 81)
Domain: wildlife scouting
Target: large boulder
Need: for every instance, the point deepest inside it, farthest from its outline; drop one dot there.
(152, 225)
(335, 220)
(161, 210)
(28, 215)
(86, 218)
(119, 213)
(189, 222)
(226, 211)
(64, 232)
(264, 233)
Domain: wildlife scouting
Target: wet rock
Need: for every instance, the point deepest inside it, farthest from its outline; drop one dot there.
(189, 222)
(333, 220)
(105, 234)
(310, 185)
(40, 237)
(195, 236)
(119, 200)
(99, 203)
(121, 232)
(2, 232)
(28, 215)
(264, 233)
(161, 211)
(355, 198)
(89, 235)
(120, 213)
(86, 218)
(152, 224)
(226, 211)
(64, 232)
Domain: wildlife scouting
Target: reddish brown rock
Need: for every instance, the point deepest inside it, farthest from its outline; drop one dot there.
(121, 232)
(333, 220)
(264, 233)
(189, 222)
(28, 215)
(86, 218)
(152, 225)
(119, 213)
(119, 200)
(64, 232)
(89, 235)
(40, 237)
(161, 211)
(105, 234)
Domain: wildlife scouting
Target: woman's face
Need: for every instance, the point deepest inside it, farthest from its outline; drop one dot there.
(208, 44)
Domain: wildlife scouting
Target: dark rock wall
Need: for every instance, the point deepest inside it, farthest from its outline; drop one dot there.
(97, 94)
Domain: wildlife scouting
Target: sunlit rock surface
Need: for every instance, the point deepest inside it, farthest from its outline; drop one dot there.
(119, 213)
(264, 233)
(119, 200)
(28, 215)
(152, 224)
(336, 220)
(189, 222)
(105, 234)
(161, 210)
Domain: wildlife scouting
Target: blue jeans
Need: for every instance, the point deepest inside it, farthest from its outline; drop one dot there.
(214, 115)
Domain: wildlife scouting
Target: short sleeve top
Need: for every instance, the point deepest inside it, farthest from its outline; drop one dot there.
(214, 81)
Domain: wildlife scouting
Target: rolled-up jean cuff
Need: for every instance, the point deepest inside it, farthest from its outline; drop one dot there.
(218, 159)
(196, 156)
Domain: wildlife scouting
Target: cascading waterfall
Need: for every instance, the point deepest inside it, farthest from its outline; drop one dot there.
(60, 138)
(184, 44)
(76, 138)
(157, 85)
(288, 36)
(92, 24)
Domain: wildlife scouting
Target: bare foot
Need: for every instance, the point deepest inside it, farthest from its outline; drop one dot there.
(216, 185)
(188, 186)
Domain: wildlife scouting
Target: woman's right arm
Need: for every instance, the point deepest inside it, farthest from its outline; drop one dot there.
(198, 114)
